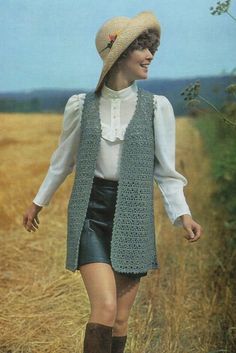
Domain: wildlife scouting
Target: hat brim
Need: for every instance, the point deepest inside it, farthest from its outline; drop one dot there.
(143, 21)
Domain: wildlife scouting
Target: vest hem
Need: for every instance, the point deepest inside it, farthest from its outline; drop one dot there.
(118, 269)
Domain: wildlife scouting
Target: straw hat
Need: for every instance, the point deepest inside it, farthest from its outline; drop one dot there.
(117, 33)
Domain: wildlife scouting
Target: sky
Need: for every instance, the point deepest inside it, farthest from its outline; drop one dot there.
(51, 44)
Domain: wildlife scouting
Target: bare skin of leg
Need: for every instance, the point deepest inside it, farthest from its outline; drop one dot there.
(126, 290)
(111, 295)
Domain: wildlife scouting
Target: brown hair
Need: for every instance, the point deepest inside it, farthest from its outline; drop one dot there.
(148, 39)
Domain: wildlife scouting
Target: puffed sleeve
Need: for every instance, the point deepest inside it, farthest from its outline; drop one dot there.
(169, 181)
(63, 159)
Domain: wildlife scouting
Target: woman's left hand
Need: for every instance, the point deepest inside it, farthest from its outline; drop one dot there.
(194, 230)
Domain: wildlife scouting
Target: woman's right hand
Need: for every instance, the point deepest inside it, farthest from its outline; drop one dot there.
(30, 218)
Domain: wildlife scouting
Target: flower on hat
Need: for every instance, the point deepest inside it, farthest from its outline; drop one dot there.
(112, 37)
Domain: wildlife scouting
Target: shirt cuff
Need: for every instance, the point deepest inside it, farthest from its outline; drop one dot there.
(39, 203)
(177, 222)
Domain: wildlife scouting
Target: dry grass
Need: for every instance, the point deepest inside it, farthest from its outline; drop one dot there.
(186, 306)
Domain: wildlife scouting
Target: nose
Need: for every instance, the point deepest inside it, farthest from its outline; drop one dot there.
(149, 54)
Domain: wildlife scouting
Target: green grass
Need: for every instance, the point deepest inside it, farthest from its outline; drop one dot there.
(220, 144)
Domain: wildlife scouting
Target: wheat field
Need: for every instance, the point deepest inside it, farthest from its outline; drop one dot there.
(187, 306)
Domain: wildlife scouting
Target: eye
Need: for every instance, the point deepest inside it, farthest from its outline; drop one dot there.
(150, 49)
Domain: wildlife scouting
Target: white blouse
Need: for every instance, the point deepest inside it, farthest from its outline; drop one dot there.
(116, 109)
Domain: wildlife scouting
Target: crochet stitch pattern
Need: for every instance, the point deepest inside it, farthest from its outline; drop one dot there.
(133, 244)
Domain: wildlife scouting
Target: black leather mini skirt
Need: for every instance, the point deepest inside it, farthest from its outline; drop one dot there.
(95, 240)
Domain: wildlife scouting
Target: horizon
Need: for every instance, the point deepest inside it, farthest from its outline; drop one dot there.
(147, 80)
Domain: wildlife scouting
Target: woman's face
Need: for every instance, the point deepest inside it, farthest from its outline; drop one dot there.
(136, 65)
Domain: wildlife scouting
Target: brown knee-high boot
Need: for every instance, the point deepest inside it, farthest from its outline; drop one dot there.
(97, 338)
(118, 344)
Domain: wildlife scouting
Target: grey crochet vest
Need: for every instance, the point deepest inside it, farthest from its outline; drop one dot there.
(133, 244)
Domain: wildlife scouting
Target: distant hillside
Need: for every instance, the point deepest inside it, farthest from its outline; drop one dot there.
(54, 100)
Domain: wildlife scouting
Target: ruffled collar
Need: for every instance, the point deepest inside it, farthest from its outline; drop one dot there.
(124, 93)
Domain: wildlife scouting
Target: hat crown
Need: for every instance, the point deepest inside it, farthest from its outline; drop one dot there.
(110, 29)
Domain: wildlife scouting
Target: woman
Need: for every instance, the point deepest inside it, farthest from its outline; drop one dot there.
(119, 138)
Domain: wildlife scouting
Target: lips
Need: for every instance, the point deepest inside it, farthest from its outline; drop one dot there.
(144, 67)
